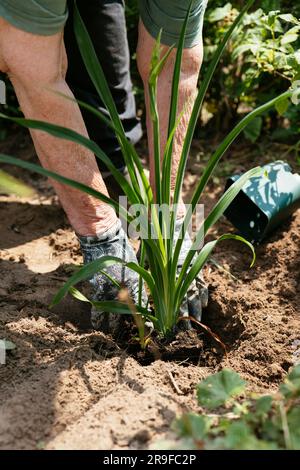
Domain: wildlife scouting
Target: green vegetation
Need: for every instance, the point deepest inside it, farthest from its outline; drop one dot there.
(262, 59)
(232, 418)
(167, 290)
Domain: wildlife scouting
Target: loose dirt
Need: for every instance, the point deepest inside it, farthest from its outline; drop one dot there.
(66, 386)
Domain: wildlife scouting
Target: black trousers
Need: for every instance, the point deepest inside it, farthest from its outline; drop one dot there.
(105, 22)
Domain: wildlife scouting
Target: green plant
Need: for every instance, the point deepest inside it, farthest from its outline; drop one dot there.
(231, 418)
(166, 289)
(262, 57)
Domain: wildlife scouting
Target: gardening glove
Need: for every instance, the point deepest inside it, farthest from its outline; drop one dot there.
(113, 242)
(197, 295)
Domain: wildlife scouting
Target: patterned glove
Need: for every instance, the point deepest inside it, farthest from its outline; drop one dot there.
(113, 242)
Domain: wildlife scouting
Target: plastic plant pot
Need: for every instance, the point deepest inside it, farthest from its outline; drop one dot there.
(264, 202)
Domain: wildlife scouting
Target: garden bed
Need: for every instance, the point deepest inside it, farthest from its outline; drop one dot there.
(66, 386)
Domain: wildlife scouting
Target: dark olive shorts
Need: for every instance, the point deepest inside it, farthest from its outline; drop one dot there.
(48, 17)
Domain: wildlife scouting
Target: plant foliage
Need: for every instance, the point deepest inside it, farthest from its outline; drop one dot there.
(233, 419)
(167, 290)
(261, 60)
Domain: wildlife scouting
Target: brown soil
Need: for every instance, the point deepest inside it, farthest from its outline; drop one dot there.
(68, 387)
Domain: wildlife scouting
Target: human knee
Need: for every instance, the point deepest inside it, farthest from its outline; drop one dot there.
(190, 64)
(37, 65)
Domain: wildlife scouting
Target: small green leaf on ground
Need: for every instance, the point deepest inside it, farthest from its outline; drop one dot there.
(193, 425)
(241, 437)
(293, 420)
(291, 386)
(264, 405)
(217, 389)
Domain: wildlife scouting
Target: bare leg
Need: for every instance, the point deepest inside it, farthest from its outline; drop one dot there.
(197, 295)
(191, 63)
(35, 65)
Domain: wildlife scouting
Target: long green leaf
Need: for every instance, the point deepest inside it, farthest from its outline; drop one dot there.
(157, 65)
(154, 116)
(87, 271)
(156, 141)
(61, 179)
(229, 195)
(218, 210)
(112, 306)
(173, 124)
(98, 265)
(176, 73)
(199, 100)
(144, 274)
(69, 134)
(127, 145)
(182, 287)
(167, 161)
(97, 76)
(214, 161)
(94, 68)
(229, 139)
(157, 69)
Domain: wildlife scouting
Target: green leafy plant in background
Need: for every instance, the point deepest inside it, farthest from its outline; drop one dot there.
(232, 418)
(261, 60)
(165, 288)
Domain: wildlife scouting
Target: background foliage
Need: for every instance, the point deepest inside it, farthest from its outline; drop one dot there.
(233, 418)
(262, 60)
